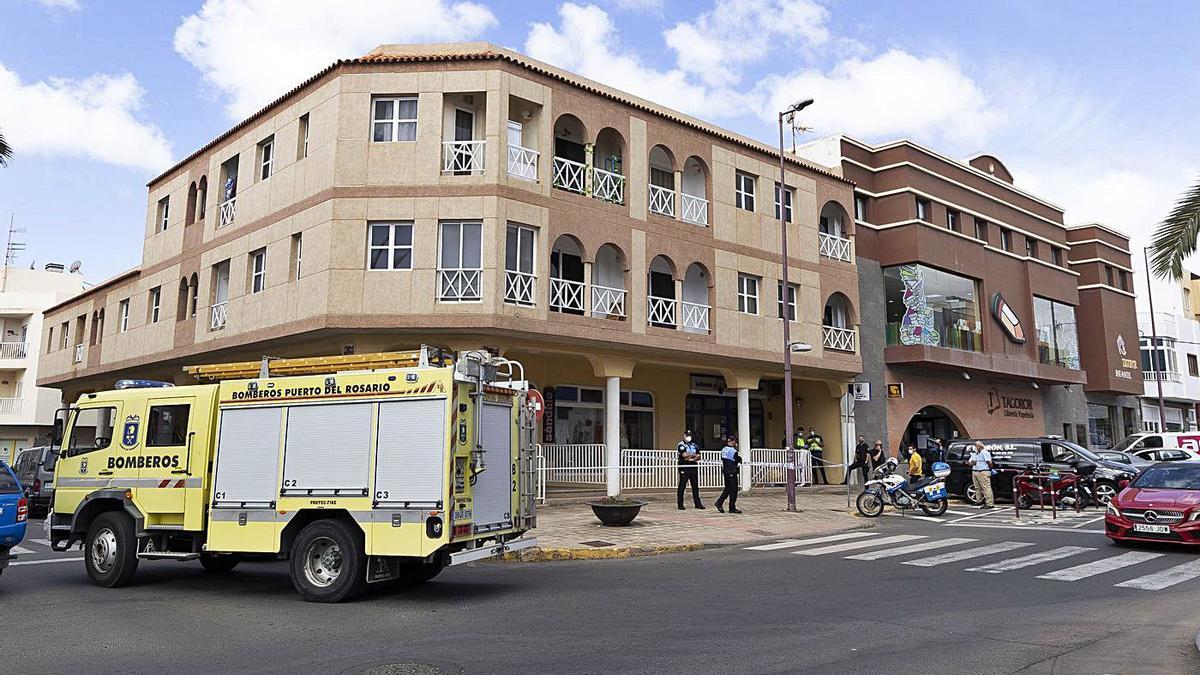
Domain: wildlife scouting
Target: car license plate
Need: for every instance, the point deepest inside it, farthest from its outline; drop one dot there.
(1151, 529)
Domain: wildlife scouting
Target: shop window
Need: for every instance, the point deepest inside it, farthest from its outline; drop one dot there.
(579, 417)
(928, 306)
(1058, 340)
(1100, 429)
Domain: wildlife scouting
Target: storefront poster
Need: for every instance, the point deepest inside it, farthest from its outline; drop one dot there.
(916, 327)
(548, 416)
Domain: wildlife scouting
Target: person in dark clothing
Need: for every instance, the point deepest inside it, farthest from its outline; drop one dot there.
(876, 457)
(731, 461)
(689, 469)
(861, 450)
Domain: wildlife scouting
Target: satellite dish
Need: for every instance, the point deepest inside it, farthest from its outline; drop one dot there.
(75, 266)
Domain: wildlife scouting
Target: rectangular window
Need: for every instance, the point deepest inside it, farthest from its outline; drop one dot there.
(266, 156)
(518, 265)
(390, 246)
(393, 118)
(92, 430)
(64, 335)
(743, 191)
(50, 339)
(164, 208)
(930, 307)
(787, 202)
(1056, 255)
(1108, 275)
(1193, 366)
(123, 316)
(1031, 247)
(923, 210)
(791, 300)
(860, 208)
(460, 261)
(1006, 239)
(1058, 339)
(297, 255)
(952, 221)
(1124, 276)
(747, 294)
(258, 270)
(981, 229)
(302, 138)
(168, 426)
(1160, 357)
(155, 303)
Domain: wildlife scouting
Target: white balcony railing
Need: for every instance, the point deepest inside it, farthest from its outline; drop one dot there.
(840, 339)
(661, 312)
(10, 406)
(608, 301)
(13, 350)
(459, 157)
(695, 209)
(462, 285)
(218, 314)
(566, 295)
(518, 287)
(695, 317)
(522, 162)
(833, 246)
(608, 186)
(79, 353)
(568, 175)
(228, 211)
(662, 201)
(1164, 375)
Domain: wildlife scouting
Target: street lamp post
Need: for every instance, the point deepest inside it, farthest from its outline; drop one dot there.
(787, 332)
(1162, 419)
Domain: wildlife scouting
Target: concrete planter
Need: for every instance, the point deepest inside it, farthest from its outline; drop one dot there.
(617, 514)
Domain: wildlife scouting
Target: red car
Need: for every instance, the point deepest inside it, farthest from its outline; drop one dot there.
(1162, 504)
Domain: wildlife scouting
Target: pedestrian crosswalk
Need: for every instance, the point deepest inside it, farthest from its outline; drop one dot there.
(995, 558)
(38, 551)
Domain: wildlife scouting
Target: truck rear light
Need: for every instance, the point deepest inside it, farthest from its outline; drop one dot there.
(37, 485)
(22, 509)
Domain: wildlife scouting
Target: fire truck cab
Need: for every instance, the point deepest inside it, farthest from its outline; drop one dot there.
(356, 469)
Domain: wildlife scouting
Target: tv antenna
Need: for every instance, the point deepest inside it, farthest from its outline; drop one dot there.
(12, 250)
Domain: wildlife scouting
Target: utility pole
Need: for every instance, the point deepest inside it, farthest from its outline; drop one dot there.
(1162, 416)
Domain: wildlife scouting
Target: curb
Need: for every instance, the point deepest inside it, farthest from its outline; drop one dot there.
(553, 554)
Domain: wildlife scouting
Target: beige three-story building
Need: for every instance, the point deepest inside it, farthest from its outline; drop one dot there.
(465, 196)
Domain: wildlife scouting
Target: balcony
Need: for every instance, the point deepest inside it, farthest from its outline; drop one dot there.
(11, 406)
(608, 302)
(228, 211)
(662, 201)
(661, 311)
(79, 353)
(1160, 375)
(569, 175)
(695, 209)
(522, 163)
(218, 314)
(566, 295)
(608, 186)
(460, 285)
(833, 246)
(13, 350)
(695, 317)
(840, 339)
(463, 158)
(518, 288)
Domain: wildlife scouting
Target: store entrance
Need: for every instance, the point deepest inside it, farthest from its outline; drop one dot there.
(712, 418)
(931, 421)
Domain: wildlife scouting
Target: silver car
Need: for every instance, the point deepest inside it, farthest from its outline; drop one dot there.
(35, 469)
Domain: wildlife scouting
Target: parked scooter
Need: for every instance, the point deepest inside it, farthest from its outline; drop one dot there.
(886, 487)
(1065, 490)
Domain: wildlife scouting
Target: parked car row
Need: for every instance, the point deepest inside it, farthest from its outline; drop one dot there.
(34, 468)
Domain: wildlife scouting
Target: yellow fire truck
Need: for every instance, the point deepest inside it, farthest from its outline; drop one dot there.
(357, 469)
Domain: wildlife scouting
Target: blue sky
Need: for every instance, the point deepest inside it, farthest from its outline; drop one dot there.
(1091, 104)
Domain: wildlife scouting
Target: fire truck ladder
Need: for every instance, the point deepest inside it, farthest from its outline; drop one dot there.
(316, 365)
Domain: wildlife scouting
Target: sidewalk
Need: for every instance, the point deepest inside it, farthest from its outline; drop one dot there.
(569, 531)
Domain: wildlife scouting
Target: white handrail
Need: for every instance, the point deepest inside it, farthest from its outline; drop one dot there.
(840, 339)
(522, 162)
(608, 186)
(662, 201)
(462, 156)
(10, 406)
(568, 174)
(661, 312)
(608, 301)
(695, 317)
(1164, 375)
(460, 285)
(566, 295)
(518, 287)
(13, 350)
(218, 314)
(228, 211)
(695, 209)
(833, 246)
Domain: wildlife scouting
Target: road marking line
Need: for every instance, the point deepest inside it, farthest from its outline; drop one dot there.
(1088, 522)
(986, 512)
(850, 546)
(1025, 528)
(19, 550)
(1030, 560)
(957, 556)
(1109, 564)
(46, 562)
(43, 542)
(911, 548)
(792, 543)
(1165, 578)
(958, 513)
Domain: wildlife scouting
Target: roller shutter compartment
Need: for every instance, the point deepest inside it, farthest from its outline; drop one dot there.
(247, 466)
(410, 454)
(328, 450)
(493, 488)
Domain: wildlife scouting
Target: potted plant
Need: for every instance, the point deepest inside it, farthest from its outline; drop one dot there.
(616, 511)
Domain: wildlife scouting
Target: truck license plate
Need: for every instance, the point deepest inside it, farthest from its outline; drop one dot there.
(1152, 529)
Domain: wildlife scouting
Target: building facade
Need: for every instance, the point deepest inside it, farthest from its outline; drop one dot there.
(27, 409)
(981, 309)
(1170, 351)
(466, 196)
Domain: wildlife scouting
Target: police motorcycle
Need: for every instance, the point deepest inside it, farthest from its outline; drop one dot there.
(887, 487)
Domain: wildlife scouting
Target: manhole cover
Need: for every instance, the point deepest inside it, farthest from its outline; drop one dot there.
(597, 543)
(405, 669)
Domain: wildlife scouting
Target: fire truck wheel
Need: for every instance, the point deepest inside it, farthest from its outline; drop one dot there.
(110, 553)
(420, 571)
(327, 562)
(218, 564)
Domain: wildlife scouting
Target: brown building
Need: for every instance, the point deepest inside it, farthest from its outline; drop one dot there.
(466, 195)
(984, 315)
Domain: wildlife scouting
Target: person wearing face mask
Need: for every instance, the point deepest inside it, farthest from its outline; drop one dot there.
(689, 469)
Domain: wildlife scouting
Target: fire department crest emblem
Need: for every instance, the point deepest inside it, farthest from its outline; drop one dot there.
(129, 431)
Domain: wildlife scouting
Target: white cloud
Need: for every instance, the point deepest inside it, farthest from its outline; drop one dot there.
(638, 5)
(94, 117)
(72, 5)
(253, 51)
(717, 44)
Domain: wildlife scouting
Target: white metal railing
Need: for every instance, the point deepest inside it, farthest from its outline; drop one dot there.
(461, 285)
(608, 186)
(833, 246)
(228, 211)
(695, 209)
(840, 339)
(522, 162)
(79, 353)
(218, 314)
(567, 463)
(13, 350)
(768, 466)
(518, 287)
(658, 469)
(568, 174)
(661, 311)
(607, 301)
(462, 156)
(695, 317)
(662, 201)
(10, 406)
(1164, 375)
(566, 295)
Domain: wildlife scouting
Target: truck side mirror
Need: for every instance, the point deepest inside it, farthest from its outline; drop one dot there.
(56, 432)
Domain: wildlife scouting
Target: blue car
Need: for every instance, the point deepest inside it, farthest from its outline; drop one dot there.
(14, 510)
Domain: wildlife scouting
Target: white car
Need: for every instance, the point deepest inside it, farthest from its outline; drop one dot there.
(1152, 446)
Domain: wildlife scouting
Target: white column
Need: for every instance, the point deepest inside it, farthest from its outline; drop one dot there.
(612, 434)
(743, 433)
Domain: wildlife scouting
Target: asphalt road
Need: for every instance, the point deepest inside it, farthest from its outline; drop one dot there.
(796, 607)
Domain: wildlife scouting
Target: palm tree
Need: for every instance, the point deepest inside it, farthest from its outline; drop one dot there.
(5, 150)
(1175, 238)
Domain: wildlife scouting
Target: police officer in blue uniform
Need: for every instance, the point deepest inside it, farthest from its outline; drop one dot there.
(731, 461)
(689, 469)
